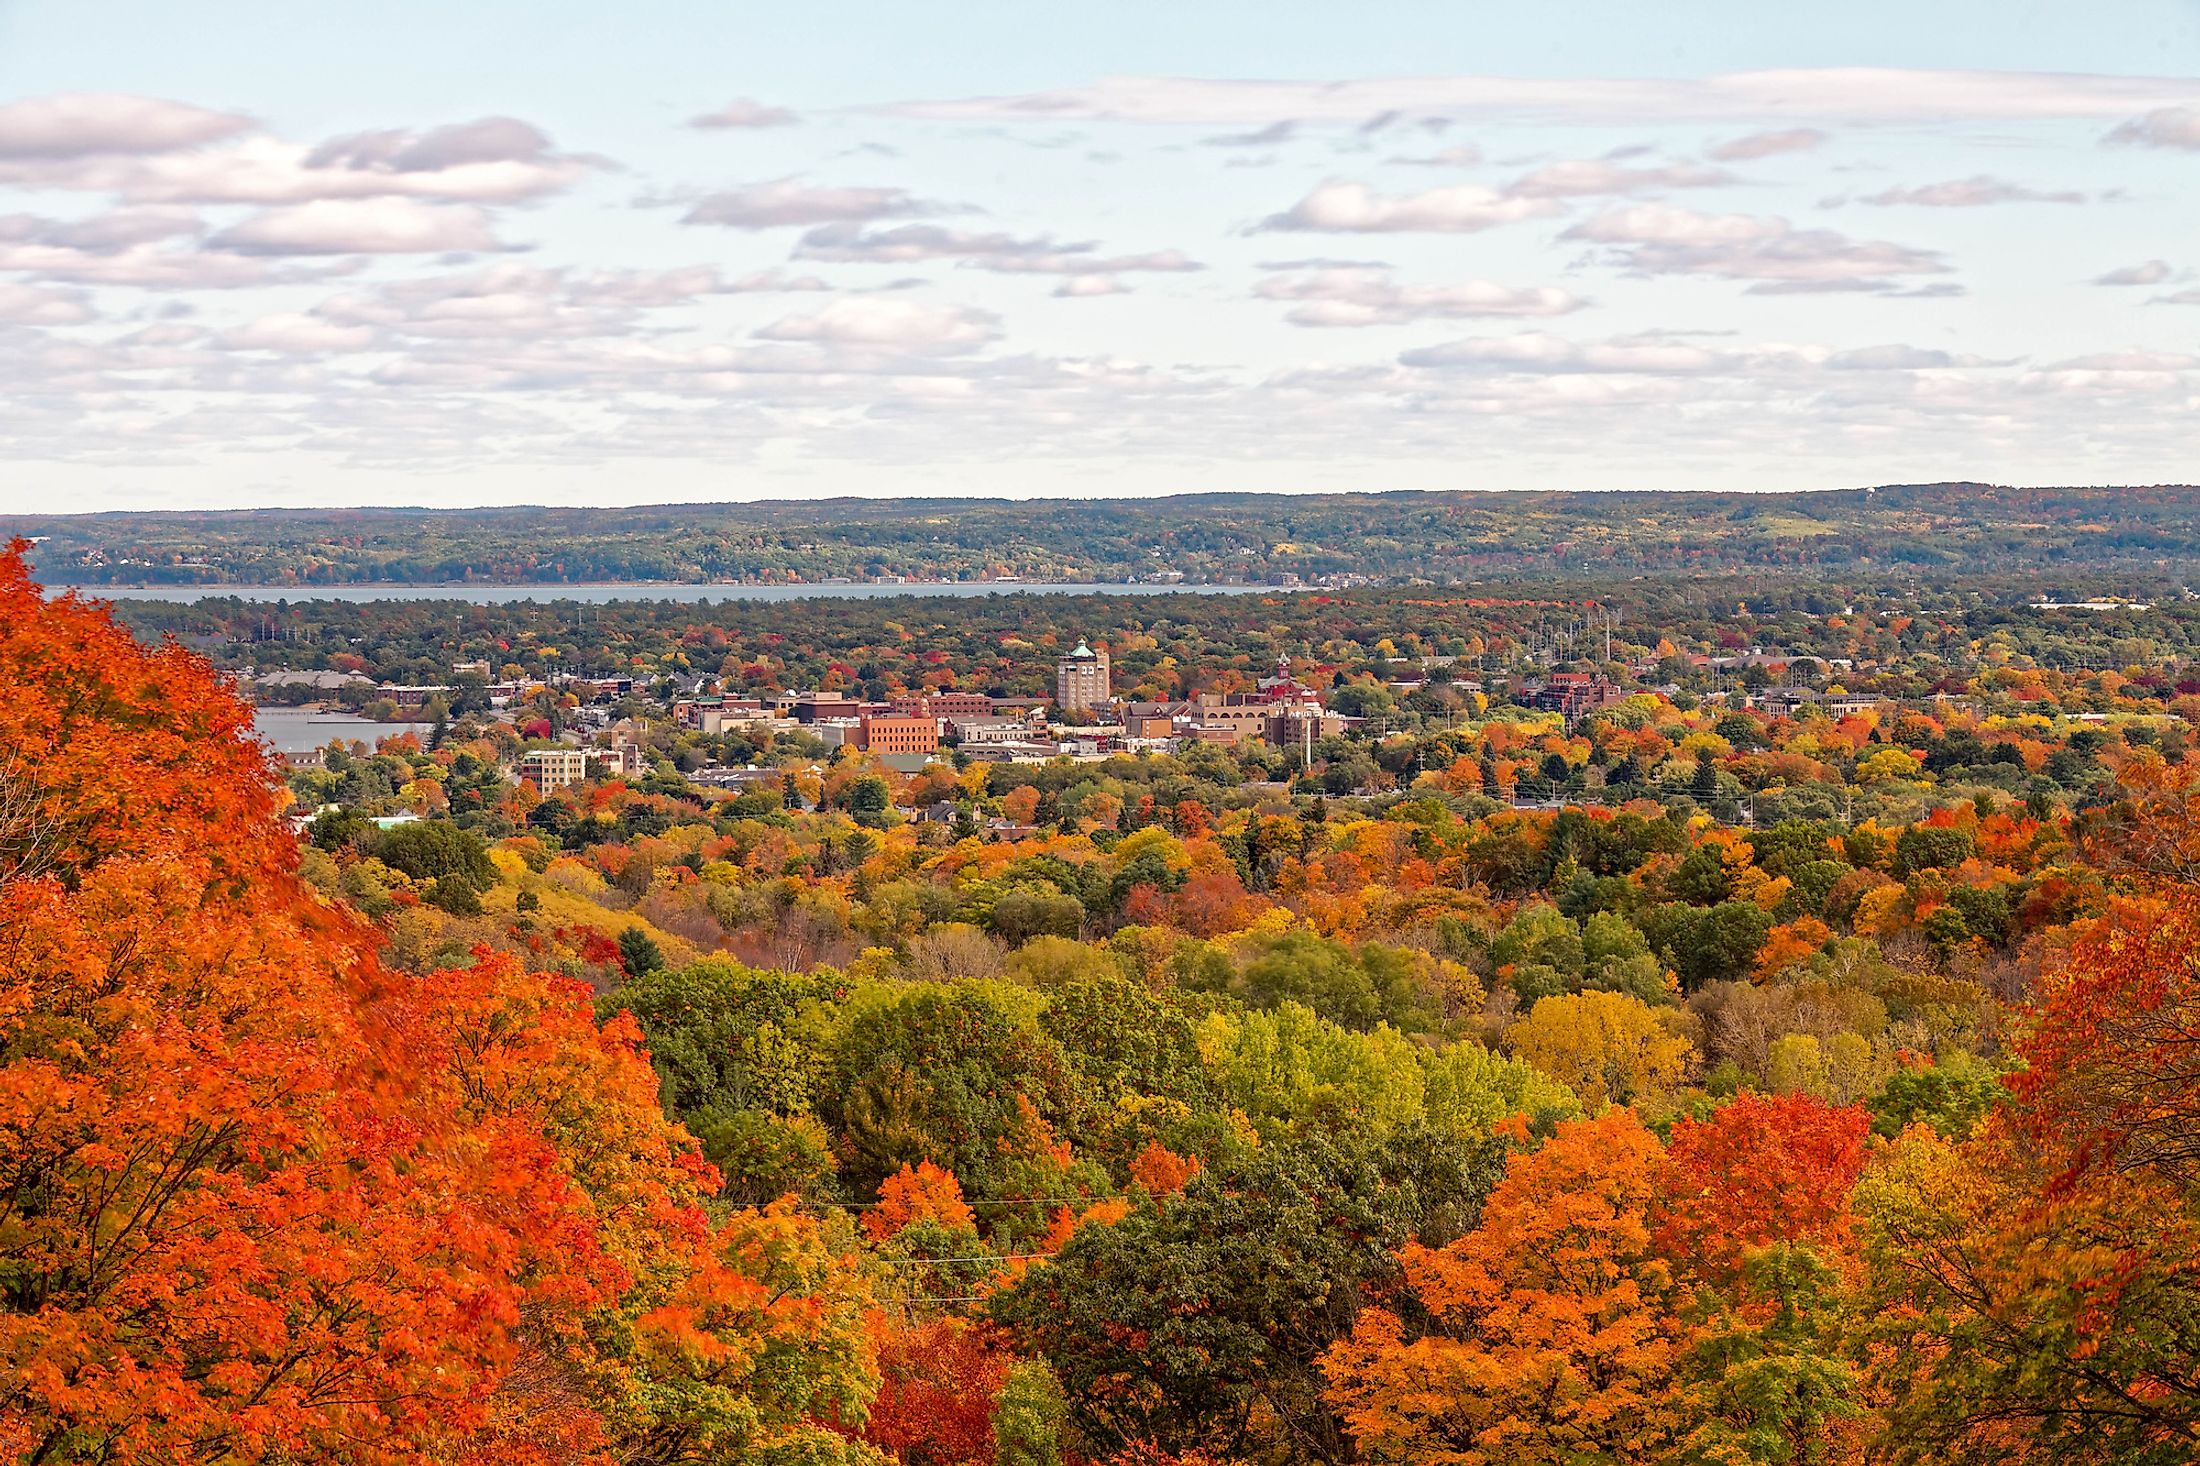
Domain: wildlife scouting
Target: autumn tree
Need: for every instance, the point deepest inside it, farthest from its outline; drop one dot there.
(2009, 1313)
(1759, 1171)
(266, 1200)
(1608, 1048)
(1194, 1323)
(1548, 1334)
(2033, 1287)
(937, 1383)
(2109, 1072)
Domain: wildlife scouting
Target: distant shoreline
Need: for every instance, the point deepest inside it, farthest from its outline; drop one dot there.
(607, 591)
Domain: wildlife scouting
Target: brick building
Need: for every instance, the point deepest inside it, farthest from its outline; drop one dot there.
(1081, 680)
(943, 705)
(897, 733)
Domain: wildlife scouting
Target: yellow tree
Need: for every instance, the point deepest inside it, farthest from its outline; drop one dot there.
(1608, 1048)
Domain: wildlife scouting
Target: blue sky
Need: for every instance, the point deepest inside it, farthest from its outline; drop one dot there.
(309, 253)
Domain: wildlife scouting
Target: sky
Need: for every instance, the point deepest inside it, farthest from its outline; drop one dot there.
(302, 253)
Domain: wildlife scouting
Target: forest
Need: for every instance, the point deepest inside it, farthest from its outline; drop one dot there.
(1446, 538)
(1683, 1082)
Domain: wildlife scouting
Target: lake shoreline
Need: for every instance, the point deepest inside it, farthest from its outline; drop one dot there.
(604, 592)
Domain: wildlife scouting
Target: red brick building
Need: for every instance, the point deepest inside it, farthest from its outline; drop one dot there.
(944, 705)
(897, 733)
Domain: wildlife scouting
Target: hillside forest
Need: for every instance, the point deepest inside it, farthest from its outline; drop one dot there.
(1444, 538)
(1678, 1083)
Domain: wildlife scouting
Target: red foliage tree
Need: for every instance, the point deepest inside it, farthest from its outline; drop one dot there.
(937, 1381)
(1760, 1170)
(2110, 1077)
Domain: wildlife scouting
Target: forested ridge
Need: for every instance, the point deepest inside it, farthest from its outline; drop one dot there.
(1207, 538)
(1210, 1111)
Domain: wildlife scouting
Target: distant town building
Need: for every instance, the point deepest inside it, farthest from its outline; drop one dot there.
(943, 705)
(622, 754)
(1283, 711)
(1081, 680)
(1784, 702)
(898, 733)
(1571, 694)
(973, 732)
(818, 707)
(552, 769)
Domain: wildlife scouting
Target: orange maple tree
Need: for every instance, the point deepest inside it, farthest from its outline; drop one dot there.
(262, 1199)
(1551, 1330)
(923, 1193)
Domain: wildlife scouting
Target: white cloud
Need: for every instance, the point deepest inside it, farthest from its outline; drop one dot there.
(2128, 361)
(458, 145)
(84, 125)
(1541, 352)
(1354, 208)
(145, 265)
(510, 301)
(1767, 144)
(1582, 177)
(905, 244)
(1073, 261)
(885, 322)
(1084, 287)
(1671, 354)
(745, 112)
(1362, 297)
(1892, 358)
(1970, 193)
(107, 233)
(31, 305)
(783, 202)
(1264, 137)
(2146, 272)
(1659, 239)
(297, 335)
(1859, 94)
(763, 282)
(493, 160)
(2164, 127)
(361, 226)
(1012, 254)
(1458, 155)
(2181, 297)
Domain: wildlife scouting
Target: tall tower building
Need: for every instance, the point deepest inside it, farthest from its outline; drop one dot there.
(1081, 679)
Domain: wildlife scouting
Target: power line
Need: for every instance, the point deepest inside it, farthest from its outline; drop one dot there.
(997, 1201)
(982, 1257)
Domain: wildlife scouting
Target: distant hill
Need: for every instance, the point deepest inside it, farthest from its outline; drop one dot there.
(1443, 537)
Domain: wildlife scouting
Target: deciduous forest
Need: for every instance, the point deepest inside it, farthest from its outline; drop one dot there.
(1680, 1082)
